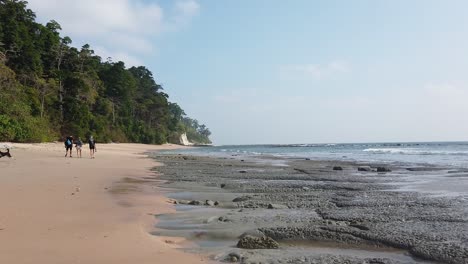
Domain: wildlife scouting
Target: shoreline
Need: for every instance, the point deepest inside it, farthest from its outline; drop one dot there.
(67, 210)
(341, 215)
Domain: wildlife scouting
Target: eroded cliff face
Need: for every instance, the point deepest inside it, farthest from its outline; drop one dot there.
(184, 140)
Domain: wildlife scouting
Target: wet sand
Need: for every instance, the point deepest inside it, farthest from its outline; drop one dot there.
(315, 213)
(70, 210)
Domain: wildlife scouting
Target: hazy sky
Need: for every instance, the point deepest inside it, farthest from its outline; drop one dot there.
(265, 71)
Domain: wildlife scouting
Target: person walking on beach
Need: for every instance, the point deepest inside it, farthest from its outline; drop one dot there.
(68, 145)
(92, 146)
(78, 146)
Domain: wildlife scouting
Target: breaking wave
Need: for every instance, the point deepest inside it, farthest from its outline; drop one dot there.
(409, 151)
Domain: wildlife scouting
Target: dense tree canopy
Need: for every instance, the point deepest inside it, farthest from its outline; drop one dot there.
(49, 89)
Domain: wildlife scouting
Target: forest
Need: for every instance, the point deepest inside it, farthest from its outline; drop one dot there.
(50, 89)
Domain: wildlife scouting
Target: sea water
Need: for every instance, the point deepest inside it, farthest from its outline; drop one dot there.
(449, 154)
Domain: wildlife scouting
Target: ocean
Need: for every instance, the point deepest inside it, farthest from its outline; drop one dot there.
(435, 153)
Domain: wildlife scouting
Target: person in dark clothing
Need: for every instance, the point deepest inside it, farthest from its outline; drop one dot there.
(68, 145)
(92, 147)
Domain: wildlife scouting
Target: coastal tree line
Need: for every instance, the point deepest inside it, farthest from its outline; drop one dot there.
(50, 89)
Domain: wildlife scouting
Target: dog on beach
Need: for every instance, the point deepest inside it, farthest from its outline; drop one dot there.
(7, 153)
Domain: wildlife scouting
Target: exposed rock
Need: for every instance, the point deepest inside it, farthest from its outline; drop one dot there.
(195, 202)
(254, 233)
(250, 242)
(183, 202)
(183, 140)
(359, 226)
(425, 169)
(337, 168)
(224, 219)
(348, 208)
(364, 168)
(458, 171)
(242, 171)
(242, 198)
(216, 203)
(233, 257)
(383, 169)
(209, 203)
(277, 206)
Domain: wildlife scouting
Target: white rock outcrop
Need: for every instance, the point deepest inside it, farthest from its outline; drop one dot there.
(184, 140)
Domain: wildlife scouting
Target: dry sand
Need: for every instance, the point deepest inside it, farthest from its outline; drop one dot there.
(69, 210)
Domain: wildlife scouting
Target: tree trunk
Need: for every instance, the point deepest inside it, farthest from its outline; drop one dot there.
(61, 99)
(113, 114)
(42, 104)
(59, 63)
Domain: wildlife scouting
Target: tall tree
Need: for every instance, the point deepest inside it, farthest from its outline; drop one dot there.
(52, 88)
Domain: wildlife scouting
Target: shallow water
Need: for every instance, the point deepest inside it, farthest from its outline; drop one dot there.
(192, 223)
(320, 248)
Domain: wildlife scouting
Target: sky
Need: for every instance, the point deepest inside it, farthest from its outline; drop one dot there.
(302, 71)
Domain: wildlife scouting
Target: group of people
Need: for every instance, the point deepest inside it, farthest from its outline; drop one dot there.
(69, 141)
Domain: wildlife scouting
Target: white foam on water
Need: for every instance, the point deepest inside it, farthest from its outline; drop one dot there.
(413, 151)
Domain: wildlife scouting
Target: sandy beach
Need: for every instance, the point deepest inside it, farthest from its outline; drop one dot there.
(72, 210)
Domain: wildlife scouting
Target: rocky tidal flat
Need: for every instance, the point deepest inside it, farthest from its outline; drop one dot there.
(264, 210)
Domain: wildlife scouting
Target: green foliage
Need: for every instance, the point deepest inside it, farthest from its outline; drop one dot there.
(25, 129)
(49, 89)
(196, 133)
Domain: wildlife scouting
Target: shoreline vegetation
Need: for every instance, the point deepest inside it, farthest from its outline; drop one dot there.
(71, 210)
(50, 89)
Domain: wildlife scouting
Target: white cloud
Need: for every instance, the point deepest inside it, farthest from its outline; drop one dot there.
(134, 44)
(121, 26)
(315, 71)
(188, 8)
(183, 12)
(89, 17)
(129, 59)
